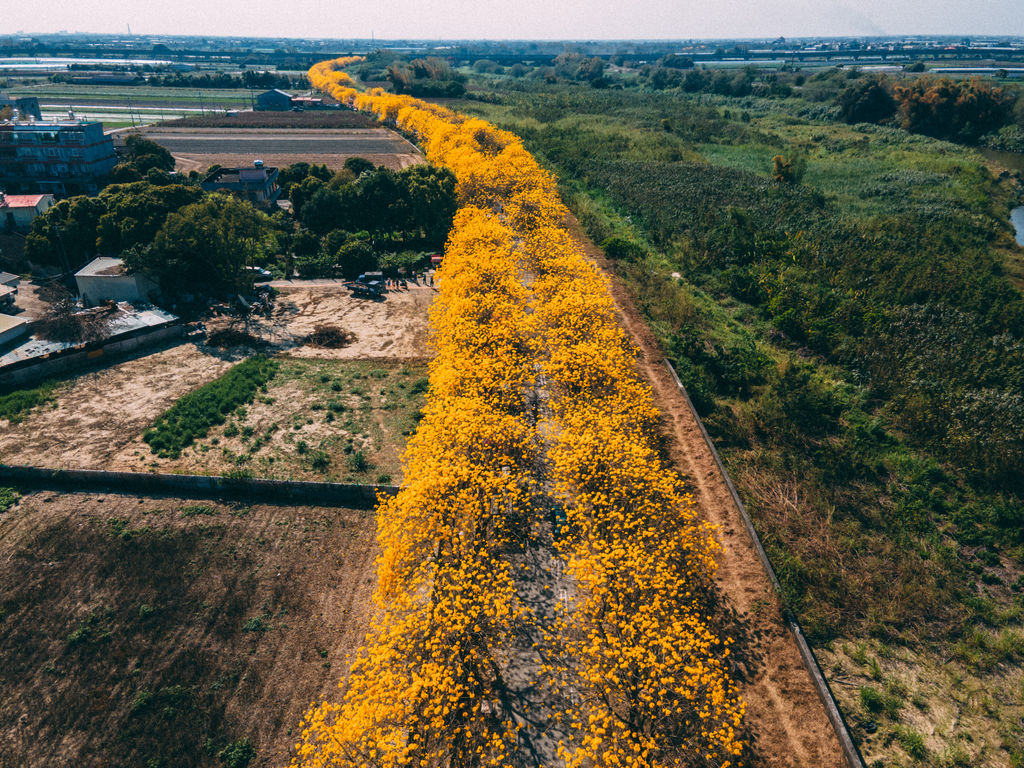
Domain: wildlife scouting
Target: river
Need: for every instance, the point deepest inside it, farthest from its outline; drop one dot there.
(1017, 217)
(1011, 161)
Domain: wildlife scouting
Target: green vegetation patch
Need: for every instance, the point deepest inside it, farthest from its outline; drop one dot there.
(192, 416)
(14, 406)
(8, 498)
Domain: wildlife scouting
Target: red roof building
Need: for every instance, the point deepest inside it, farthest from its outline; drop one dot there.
(18, 211)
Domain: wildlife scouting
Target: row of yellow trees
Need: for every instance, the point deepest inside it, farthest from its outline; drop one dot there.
(640, 679)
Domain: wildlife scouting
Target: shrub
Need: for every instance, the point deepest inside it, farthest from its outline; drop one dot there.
(8, 498)
(319, 460)
(238, 754)
(15, 405)
(358, 462)
(622, 249)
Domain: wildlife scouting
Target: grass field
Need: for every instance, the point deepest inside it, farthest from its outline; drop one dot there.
(335, 420)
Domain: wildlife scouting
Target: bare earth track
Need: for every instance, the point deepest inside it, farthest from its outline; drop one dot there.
(787, 725)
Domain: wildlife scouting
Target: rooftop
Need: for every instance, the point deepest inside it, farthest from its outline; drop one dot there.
(45, 126)
(248, 175)
(7, 277)
(7, 322)
(102, 266)
(125, 320)
(20, 201)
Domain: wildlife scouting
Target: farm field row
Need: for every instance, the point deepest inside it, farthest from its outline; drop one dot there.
(143, 95)
(197, 148)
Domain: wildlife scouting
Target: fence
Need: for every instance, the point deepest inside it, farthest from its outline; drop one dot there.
(55, 364)
(198, 486)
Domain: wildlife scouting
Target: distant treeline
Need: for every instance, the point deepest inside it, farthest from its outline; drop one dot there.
(247, 79)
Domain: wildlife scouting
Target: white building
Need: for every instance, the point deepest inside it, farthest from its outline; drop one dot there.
(105, 279)
(18, 211)
(11, 328)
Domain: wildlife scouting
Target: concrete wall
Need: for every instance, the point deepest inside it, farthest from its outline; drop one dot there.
(97, 288)
(62, 363)
(201, 486)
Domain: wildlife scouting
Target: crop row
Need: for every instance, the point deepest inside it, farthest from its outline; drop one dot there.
(639, 679)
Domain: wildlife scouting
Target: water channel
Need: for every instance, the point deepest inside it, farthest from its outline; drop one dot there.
(1017, 217)
(1012, 161)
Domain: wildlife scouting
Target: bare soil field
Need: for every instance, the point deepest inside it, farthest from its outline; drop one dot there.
(315, 119)
(786, 725)
(97, 413)
(97, 419)
(196, 148)
(325, 420)
(152, 631)
(395, 327)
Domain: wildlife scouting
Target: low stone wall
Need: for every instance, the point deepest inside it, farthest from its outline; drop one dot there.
(250, 490)
(64, 362)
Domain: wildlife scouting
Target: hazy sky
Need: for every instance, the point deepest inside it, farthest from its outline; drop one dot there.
(503, 19)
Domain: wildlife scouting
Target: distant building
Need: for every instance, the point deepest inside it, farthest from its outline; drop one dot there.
(18, 211)
(275, 100)
(258, 184)
(26, 106)
(11, 328)
(105, 279)
(66, 158)
(8, 289)
(307, 102)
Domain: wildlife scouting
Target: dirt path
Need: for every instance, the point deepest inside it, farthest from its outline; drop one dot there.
(787, 724)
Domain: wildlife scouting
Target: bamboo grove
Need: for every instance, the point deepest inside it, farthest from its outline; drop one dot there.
(535, 414)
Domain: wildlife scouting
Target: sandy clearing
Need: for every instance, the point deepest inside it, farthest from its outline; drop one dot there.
(396, 327)
(101, 411)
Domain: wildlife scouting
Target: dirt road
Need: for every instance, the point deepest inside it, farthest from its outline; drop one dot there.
(787, 725)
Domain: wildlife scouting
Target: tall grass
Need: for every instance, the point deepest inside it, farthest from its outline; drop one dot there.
(14, 406)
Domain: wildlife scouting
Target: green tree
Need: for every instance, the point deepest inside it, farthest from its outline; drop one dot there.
(430, 199)
(359, 166)
(65, 235)
(144, 154)
(205, 245)
(867, 101)
(135, 212)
